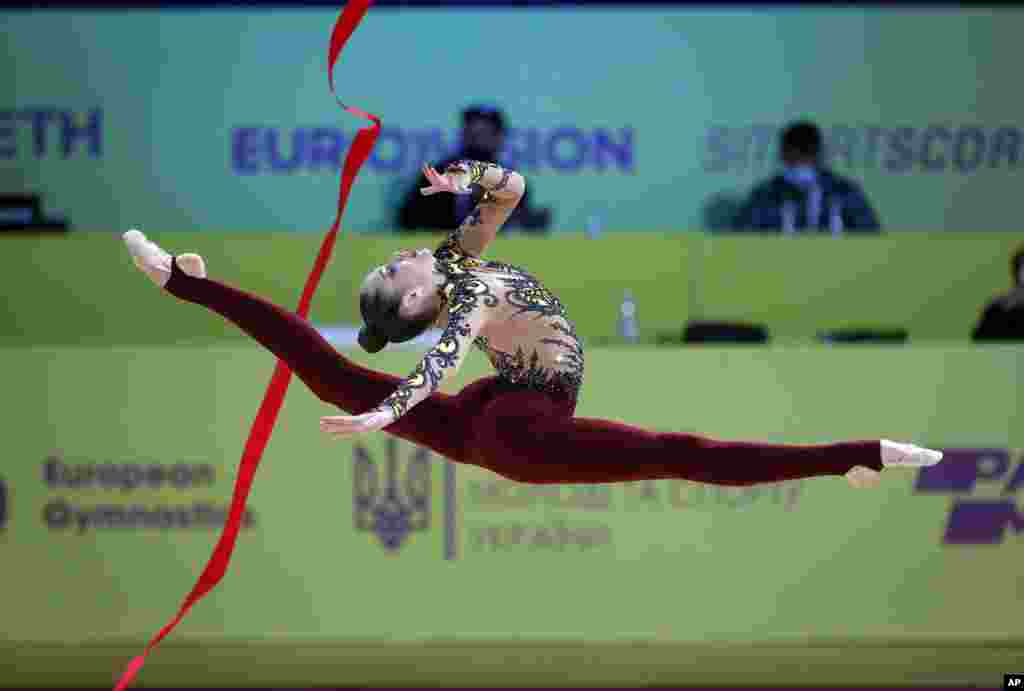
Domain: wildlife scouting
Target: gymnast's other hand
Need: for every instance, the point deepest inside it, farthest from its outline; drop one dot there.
(344, 425)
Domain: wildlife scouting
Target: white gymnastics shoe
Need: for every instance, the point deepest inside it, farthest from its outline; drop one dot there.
(894, 454)
(908, 455)
(153, 261)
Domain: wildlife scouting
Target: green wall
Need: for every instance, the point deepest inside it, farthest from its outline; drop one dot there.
(82, 289)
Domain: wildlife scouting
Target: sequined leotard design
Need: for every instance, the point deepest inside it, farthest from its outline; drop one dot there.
(552, 364)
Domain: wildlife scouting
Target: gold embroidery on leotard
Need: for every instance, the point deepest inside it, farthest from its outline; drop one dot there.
(528, 295)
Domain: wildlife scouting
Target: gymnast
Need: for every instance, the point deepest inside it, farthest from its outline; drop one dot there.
(521, 422)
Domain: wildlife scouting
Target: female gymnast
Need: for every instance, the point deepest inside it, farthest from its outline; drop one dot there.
(520, 423)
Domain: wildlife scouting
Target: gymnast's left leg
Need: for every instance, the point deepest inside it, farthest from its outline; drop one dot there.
(527, 437)
(329, 375)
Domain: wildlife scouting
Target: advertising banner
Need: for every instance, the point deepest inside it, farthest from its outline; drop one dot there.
(119, 464)
(219, 120)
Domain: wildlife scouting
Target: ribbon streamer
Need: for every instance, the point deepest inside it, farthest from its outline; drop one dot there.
(263, 425)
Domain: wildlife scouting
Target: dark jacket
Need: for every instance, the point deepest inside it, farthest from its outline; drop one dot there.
(1001, 321)
(763, 210)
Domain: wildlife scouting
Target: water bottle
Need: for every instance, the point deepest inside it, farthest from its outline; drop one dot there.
(835, 218)
(788, 218)
(595, 224)
(594, 213)
(628, 330)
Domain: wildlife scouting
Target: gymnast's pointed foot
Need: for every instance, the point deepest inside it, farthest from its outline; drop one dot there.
(907, 455)
(153, 261)
(894, 454)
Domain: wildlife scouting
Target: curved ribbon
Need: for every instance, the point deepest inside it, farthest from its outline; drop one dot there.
(263, 425)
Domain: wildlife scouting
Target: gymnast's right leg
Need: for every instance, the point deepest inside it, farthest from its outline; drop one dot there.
(331, 377)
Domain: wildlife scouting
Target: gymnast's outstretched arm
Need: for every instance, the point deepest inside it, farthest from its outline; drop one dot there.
(466, 317)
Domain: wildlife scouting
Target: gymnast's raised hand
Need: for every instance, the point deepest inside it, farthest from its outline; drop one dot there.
(455, 180)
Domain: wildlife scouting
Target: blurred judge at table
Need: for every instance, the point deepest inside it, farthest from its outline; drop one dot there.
(806, 196)
(1003, 318)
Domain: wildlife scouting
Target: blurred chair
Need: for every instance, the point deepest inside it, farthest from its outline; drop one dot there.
(868, 334)
(724, 332)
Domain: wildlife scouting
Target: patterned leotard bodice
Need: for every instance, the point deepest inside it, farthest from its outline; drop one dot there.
(505, 312)
(525, 365)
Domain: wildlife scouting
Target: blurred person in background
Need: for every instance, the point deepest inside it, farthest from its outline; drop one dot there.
(806, 197)
(484, 129)
(1003, 318)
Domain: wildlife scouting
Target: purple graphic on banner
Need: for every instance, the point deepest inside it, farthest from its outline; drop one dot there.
(3, 504)
(976, 521)
(265, 149)
(961, 469)
(982, 522)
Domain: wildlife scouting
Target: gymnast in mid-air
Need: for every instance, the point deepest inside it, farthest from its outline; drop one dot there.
(519, 423)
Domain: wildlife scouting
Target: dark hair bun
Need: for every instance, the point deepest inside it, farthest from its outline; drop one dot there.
(372, 341)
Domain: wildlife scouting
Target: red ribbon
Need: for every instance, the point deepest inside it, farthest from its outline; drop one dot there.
(263, 425)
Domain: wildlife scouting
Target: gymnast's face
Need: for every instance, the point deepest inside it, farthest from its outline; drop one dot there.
(408, 278)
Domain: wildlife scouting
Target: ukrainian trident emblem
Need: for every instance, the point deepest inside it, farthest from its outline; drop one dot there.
(391, 499)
